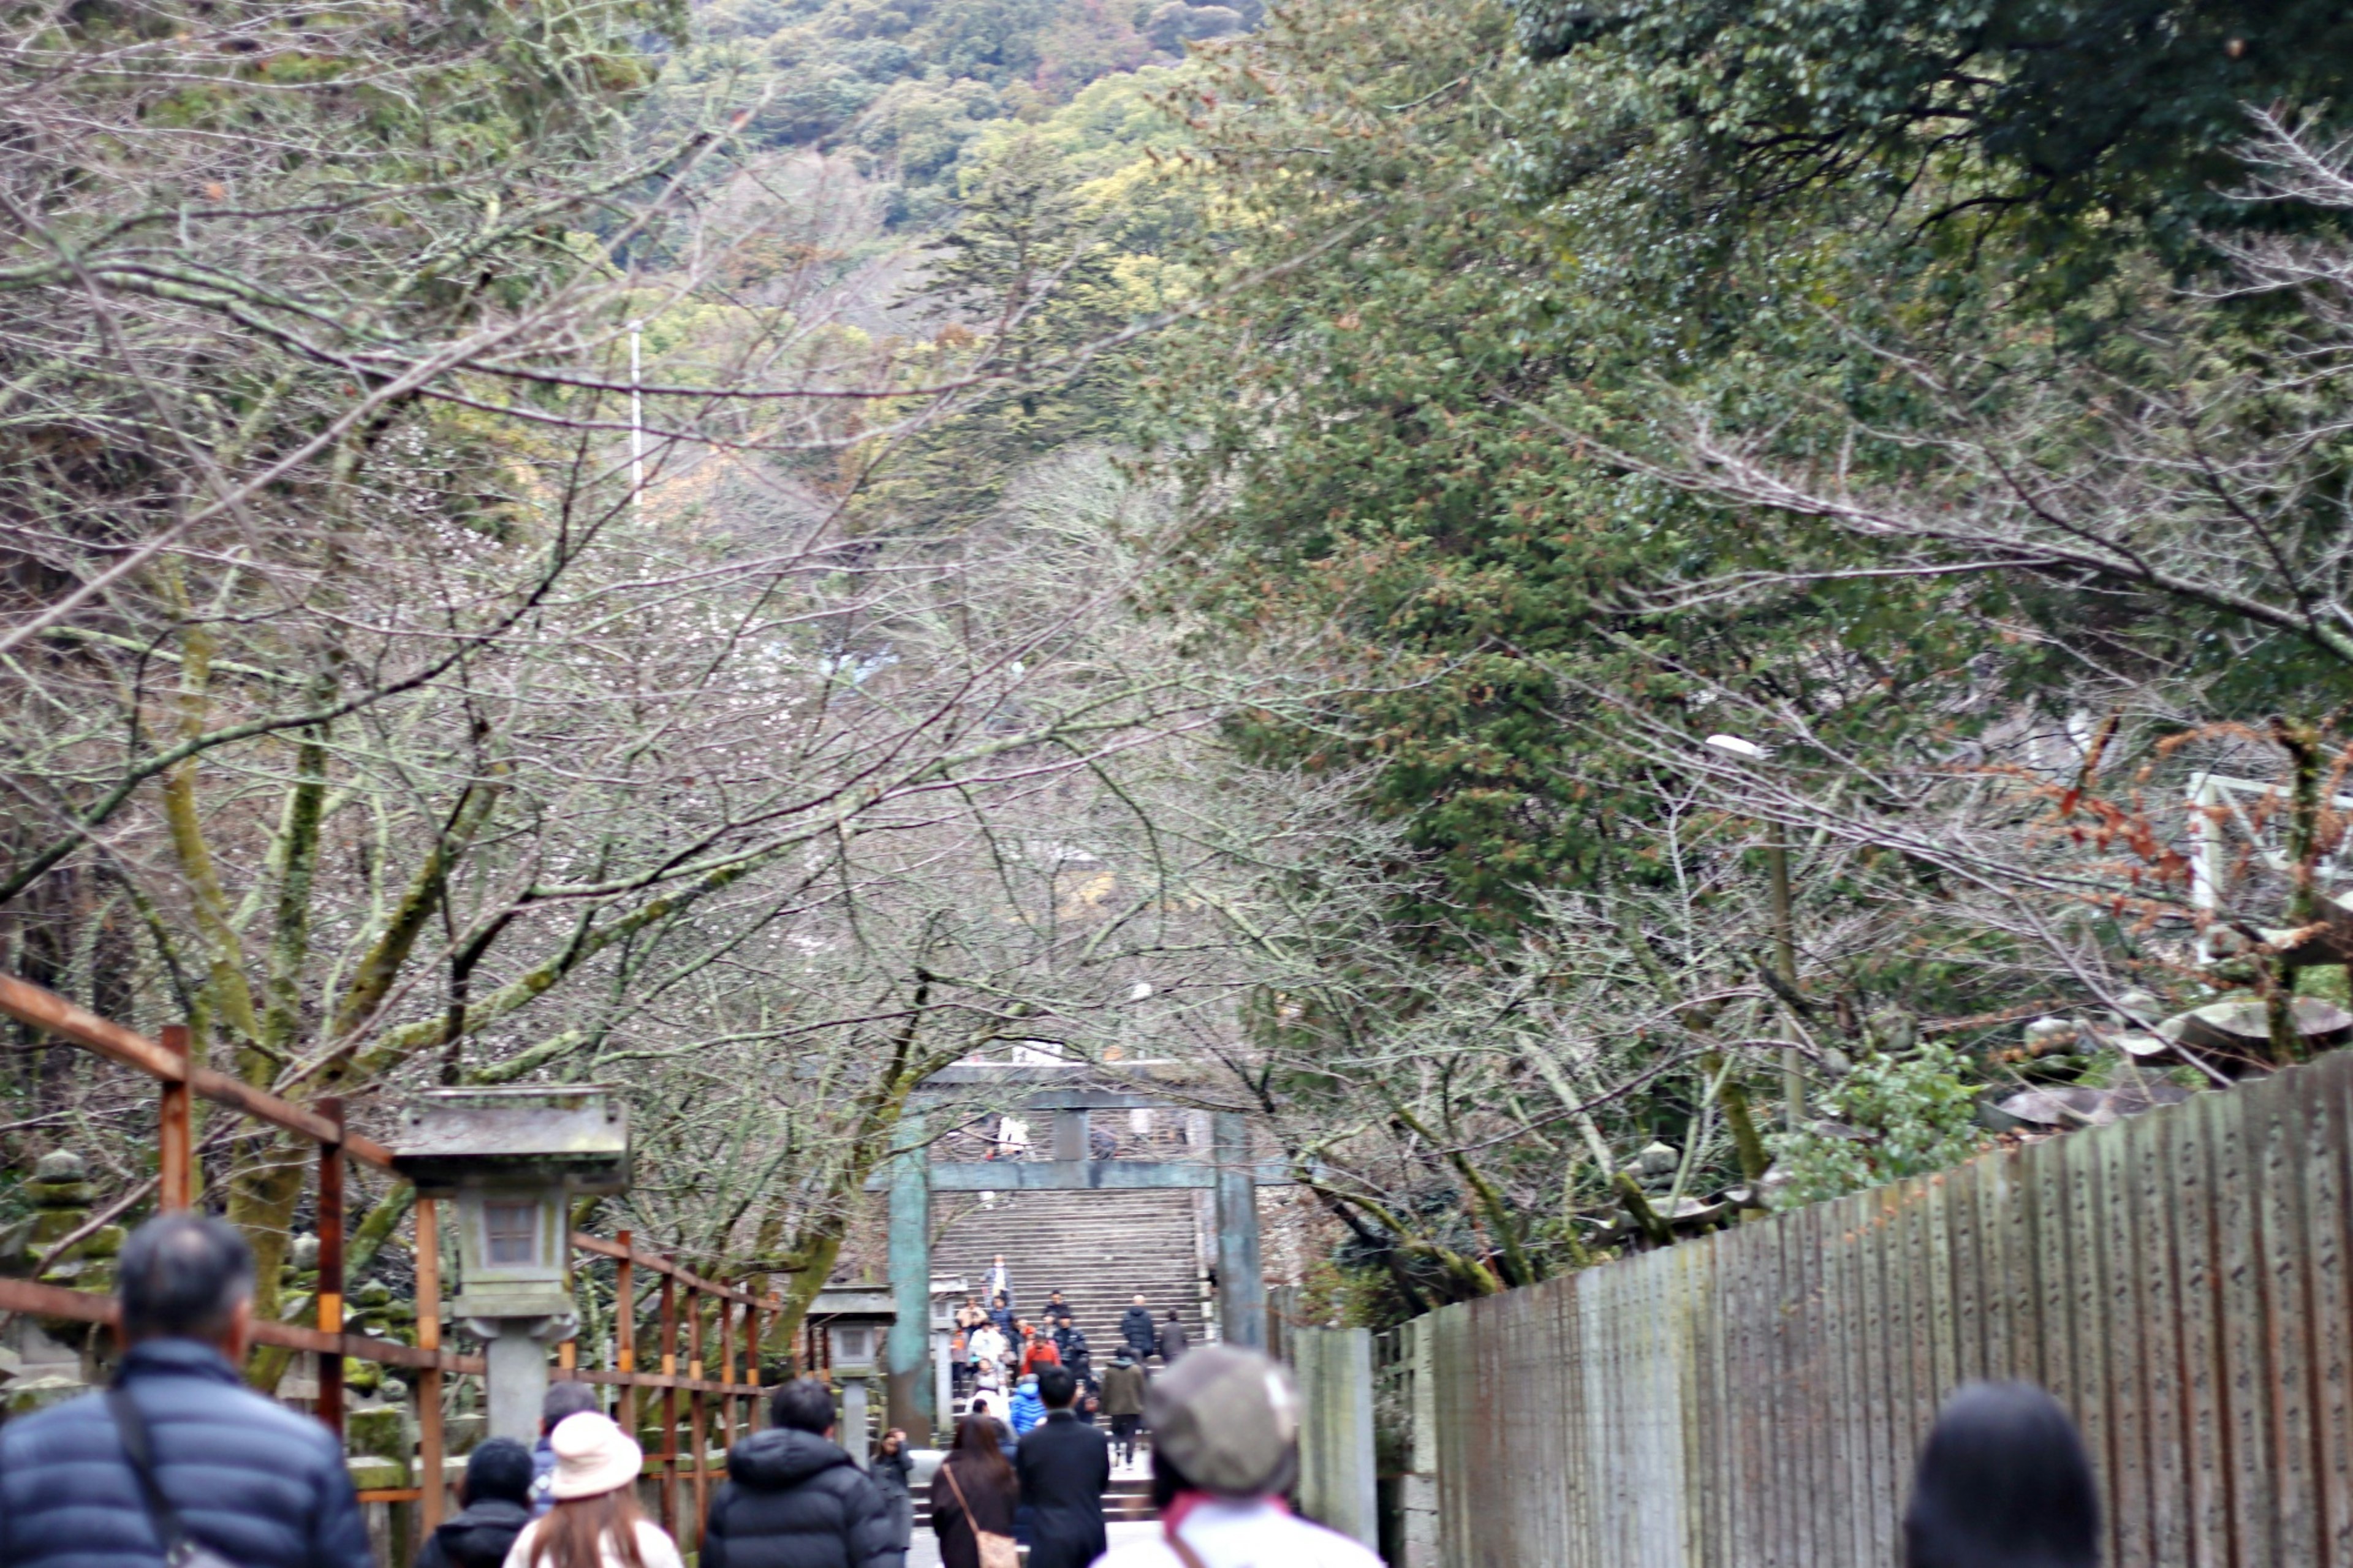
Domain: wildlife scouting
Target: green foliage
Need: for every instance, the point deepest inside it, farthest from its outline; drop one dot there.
(1895, 1116)
(2075, 112)
(909, 86)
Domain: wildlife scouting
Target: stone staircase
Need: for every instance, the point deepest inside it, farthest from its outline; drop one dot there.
(1097, 1248)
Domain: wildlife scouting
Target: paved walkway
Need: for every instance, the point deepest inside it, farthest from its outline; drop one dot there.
(926, 1554)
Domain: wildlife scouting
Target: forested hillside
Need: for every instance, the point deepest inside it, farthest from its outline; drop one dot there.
(909, 89)
(1612, 617)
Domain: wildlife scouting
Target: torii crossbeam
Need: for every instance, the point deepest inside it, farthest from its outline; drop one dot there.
(1067, 1093)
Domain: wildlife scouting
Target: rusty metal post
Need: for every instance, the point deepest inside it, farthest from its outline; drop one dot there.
(330, 1299)
(670, 1407)
(175, 1162)
(625, 1331)
(752, 1356)
(428, 1379)
(567, 1354)
(730, 1407)
(698, 1406)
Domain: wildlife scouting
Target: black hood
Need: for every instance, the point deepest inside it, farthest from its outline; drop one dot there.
(479, 1537)
(781, 1456)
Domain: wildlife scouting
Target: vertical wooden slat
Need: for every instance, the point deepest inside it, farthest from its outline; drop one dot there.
(1843, 1327)
(2246, 1378)
(1821, 1499)
(2087, 1330)
(1878, 1377)
(1965, 1276)
(2289, 1323)
(1918, 1309)
(2326, 1221)
(1999, 1259)
(175, 1153)
(329, 1298)
(430, 1445)
(2198, 1295)
(2124, 1316)
(2047, 1165)
(2166, 1411)
(1944, 1324)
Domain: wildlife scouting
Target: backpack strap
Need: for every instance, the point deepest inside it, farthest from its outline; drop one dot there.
(139, 1448)
(1185, 1554)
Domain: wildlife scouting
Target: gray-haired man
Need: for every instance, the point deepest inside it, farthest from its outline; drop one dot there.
(180, 1461)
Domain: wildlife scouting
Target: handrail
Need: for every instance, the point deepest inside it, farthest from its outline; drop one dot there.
(43, 1009)
(87, 1307)
(686, 1277)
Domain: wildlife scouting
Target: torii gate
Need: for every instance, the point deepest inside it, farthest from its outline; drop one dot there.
(1066, 1093)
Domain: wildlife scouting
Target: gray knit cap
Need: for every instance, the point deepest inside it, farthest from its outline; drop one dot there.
(1228, 1420)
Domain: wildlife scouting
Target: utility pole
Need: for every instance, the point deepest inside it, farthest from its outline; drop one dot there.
(636, 422)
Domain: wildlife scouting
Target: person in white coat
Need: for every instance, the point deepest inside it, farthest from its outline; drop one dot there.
(1225, 1447)
(595, 1522)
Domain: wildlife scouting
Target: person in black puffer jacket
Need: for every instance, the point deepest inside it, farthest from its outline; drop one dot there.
(249, 1480)
(793, 1499)
(498, 1505)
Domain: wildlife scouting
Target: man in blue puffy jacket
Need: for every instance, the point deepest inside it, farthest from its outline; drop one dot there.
(241, 1478)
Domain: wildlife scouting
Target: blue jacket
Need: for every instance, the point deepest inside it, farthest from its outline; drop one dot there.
(542, 1478)
(252, 1481)
(1027, 1410)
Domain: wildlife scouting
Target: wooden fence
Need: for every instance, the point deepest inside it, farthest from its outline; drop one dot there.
(2178, 1281)
(684, 1299)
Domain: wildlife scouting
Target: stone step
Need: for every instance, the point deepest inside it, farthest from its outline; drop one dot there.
(1129, 1500)
(1098, 1249)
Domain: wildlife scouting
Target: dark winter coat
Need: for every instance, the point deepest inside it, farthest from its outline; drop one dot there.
(889, 1476)
(1172, 1340)
(251, 1481)
(1122, 1389)
(992, 1510)
(793, 1501)
(1136, 1328)
(1065, 1466)
(476, 1538)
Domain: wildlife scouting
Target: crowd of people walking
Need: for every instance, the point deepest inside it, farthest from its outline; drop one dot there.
(179, 1465)
(998, 1354)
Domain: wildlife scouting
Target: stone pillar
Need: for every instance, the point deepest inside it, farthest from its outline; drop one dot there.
(516, 1350)
(854, 1436)
(517, 1376)
(1070, 1135)
(1336, 1476)
(906, 1353)
(1241, 1284)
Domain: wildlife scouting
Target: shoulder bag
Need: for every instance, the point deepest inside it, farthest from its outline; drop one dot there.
(996, 1551)
(179, 1550)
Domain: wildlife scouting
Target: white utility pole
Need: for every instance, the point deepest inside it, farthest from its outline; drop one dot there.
(637, 422)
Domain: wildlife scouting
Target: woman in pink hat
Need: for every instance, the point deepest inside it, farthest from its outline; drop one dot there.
(597, 1522)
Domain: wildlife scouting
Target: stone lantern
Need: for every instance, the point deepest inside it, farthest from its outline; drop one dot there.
(513, 1159)
(855, 1320)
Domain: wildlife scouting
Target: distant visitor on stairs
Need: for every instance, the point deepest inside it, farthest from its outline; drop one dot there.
(1065, 1468)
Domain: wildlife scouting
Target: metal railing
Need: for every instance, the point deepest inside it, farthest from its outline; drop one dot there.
(683, 1298)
